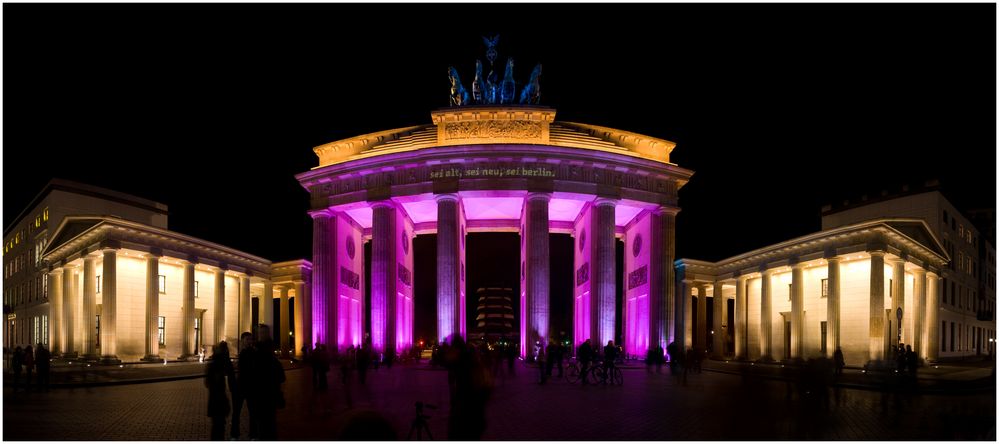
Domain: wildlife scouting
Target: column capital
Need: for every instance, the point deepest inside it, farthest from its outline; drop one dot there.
(932, 274)
(539, 195)
(605, 201)
(919, 271)
(321, 214)
(446, 197)
(795, 263)
(833, 259)
(880, 253)
(109, 250)
(385, 203)
(152, 255)
(895, 260)
(766, 271)
(664, 210)
(741, 278)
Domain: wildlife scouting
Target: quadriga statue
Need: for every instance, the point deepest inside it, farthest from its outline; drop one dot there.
(459, 96)
(531, 93)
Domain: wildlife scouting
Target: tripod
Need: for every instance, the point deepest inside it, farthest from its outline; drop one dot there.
(420, 423)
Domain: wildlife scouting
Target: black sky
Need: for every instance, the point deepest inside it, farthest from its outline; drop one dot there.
(778, 109)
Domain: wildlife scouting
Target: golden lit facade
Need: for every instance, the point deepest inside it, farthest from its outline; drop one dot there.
(847, 287)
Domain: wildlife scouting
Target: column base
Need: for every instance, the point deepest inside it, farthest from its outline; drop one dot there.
(70, 355)
(188, 358)
(111, 359)
(94, 357)
(152, 358)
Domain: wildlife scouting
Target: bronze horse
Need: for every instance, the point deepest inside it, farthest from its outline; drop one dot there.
(531, 94)
(459, 96)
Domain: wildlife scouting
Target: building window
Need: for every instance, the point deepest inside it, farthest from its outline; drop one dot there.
(97, 327)
(951, 336)
(45, 330)
(162, 284)
(790, 289)
(822, 327)
(38, 330)
(195, 288)
(825, 293)
(943, 336)
(160, 328)
(890, 284)
(98, 283)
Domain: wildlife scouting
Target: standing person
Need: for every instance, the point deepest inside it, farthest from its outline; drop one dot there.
(244, 381)
(265, 394)
(245, 341)
(323, 361)
(29, 365)
(17, 363)
(585, 355)
(560, 353)
(216, 374)
(541, 359)
(838, 361)
(610, 354)
(43, 360)
(363, 359)
(511, 356)
(315, 367)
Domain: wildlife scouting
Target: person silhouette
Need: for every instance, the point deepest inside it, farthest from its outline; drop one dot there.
(43, 361)
(216, 374)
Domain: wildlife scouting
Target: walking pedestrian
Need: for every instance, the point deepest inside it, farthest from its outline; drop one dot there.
(216, 374)
(43, 361)
(585, 356)
(29, 366)
(363, 359)
(17, 362)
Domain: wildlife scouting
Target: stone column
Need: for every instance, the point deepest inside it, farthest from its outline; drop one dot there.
(301, 337)
(898, 300)
(717, 306)
(538, 266)
(266, 313)
(89, 320)
(285, 321)
(322, 297)
(109, 307)
(766, 316)
(876, 346)
(188, 311)
(832, 305)
(68, 303)
(797, 312)
(55, 312)
(448, 268)
(662, 283)
(741, 329)
(932, 344)
(219, 308)
(702, 317)
(152, 307)
(383, 276)
(918, 310)
(683, 315)
(245, 310)
(602, 289)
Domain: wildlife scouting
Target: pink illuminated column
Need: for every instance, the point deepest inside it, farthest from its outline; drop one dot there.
(383, 276)
(536, 261)
(449, 291)
(662, 282)
(604, 267)
(324, 298)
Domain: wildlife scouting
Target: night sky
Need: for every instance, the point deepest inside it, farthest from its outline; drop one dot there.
(779, 109)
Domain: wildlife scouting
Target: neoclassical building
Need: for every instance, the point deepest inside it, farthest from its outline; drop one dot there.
(494, 168)
(862, 287)
(124, 288)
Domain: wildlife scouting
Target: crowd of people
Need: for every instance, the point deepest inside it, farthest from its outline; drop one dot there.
(28, 360)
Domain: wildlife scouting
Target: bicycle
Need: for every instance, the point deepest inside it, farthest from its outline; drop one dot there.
(599, 374)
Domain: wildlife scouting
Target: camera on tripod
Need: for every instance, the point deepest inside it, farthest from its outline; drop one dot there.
(420, 422)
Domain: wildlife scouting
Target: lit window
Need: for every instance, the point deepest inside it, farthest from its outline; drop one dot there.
(162, 284)
(45, 215)
(825, 288)
(98, 283)
(161, 328)
(45, 330)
